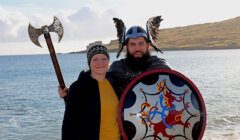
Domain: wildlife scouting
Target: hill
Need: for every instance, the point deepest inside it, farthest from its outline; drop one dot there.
(217, 35)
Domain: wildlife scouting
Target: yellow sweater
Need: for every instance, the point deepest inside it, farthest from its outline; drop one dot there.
(109, 107)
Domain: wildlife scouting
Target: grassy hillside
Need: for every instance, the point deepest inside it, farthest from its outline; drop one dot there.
(224, 34)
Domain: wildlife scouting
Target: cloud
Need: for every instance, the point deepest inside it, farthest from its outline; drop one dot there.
(11, 25)
(85, 23)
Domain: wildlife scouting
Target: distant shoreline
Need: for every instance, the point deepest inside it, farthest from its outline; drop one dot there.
(174, 49)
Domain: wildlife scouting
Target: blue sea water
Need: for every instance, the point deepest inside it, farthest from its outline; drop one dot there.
(30, 108)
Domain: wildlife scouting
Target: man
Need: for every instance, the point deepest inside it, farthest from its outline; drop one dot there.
(138, 58)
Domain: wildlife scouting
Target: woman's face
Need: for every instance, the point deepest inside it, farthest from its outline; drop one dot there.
(99, 64)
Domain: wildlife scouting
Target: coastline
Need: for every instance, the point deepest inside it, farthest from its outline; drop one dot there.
(173, 49)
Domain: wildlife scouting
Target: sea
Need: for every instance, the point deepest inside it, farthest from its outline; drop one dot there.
(30, 108)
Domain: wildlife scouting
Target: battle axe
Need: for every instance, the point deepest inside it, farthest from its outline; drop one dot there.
(57, 28)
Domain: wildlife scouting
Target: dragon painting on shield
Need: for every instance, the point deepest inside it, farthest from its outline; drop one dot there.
(162, 105)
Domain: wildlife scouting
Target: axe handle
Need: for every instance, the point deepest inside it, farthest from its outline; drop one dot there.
(54, 60)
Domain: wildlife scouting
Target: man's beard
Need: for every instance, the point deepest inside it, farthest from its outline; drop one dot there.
(138, 64)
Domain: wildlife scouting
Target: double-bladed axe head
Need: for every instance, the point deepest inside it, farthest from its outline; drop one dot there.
(55, 27)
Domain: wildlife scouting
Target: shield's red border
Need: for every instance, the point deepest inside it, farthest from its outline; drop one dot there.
(168, 71)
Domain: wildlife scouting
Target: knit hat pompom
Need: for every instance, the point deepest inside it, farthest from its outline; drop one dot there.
(96, 49)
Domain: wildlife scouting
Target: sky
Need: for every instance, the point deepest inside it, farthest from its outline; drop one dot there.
(87, 21)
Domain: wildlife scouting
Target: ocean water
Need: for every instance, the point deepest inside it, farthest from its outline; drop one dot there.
(30, 108)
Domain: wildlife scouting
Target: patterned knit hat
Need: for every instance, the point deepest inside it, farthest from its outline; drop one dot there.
(96, 49)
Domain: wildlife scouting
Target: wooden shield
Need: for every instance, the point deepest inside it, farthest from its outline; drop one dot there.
(162, 104)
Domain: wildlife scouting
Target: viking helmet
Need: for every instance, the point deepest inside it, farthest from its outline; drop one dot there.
(151, 33)
(134, 32)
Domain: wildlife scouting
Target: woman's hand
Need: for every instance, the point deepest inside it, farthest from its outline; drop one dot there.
(62, 92)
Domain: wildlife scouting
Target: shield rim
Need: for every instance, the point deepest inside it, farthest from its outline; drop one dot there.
(166, 71)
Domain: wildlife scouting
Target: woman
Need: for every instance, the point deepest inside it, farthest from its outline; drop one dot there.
(91, 103)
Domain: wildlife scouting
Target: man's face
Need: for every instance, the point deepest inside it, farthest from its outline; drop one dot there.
(137, 47)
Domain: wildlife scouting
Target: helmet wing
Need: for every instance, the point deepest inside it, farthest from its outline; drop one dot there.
(152, 26)
(121, 30)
